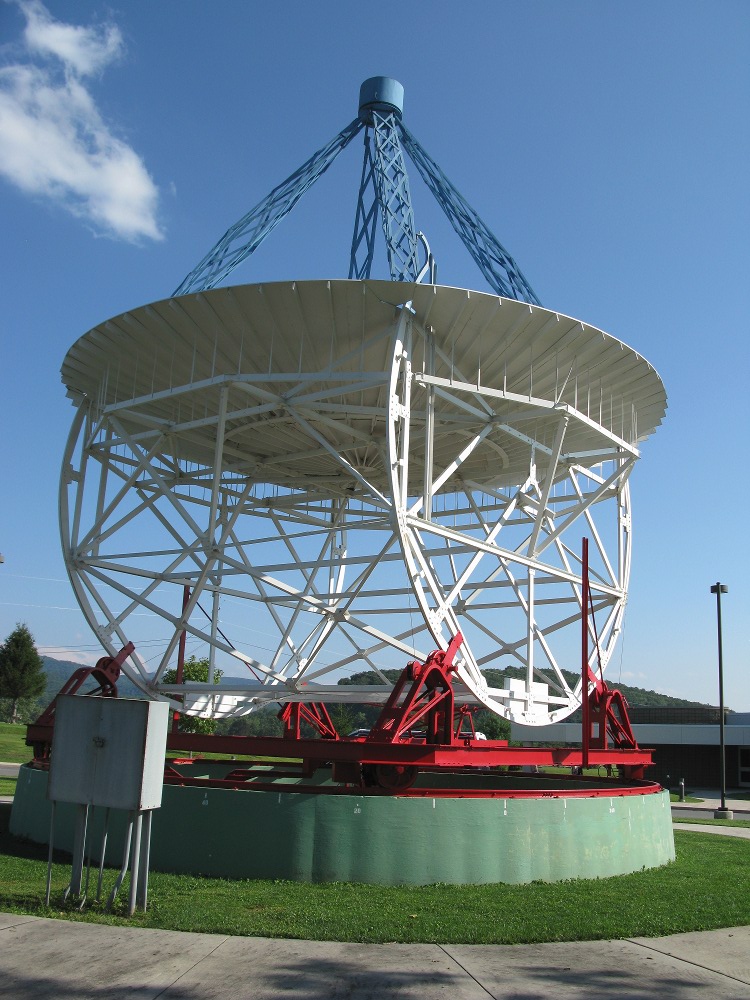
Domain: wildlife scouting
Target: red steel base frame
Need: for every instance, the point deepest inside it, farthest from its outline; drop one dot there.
(389, 759)
(454, 782)
(374, 769)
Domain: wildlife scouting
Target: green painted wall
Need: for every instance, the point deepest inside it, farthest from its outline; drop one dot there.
(379, 839)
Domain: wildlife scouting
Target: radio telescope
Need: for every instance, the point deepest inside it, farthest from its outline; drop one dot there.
(306, 480)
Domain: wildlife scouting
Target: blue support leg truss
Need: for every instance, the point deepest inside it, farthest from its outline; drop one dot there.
(365, 220)
(394, 197)
(246, 235)
(495, 263)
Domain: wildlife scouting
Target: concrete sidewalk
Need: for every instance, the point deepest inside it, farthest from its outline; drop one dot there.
(711, 800)
(44, 959)
(722, 831)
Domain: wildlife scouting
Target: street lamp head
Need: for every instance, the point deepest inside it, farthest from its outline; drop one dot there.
(719, 588)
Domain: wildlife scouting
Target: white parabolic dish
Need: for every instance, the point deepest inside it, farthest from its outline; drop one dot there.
(344, 474)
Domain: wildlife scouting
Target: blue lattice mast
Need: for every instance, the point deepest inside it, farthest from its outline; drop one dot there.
(386, 182)
(383, 193)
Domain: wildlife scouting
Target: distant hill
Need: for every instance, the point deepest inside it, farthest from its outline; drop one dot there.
(633, 695)
(643, 697)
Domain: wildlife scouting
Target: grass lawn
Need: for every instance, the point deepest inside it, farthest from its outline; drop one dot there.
(713, 822)
(8, 786)
(707, 887)
(13, 749)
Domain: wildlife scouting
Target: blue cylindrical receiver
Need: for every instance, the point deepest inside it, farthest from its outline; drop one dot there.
(380, 93)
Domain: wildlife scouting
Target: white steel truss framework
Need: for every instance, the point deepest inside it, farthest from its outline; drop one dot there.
(389, 516)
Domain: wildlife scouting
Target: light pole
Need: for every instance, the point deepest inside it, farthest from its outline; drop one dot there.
(723, 812)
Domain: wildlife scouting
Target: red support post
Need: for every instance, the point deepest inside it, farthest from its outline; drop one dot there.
(585, 707)
(181, 655)
(315, 714)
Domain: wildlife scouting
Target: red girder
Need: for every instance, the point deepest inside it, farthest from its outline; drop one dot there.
(609, 710)
(293, 714)
(428, 699)
(478, 754)
(496, 785)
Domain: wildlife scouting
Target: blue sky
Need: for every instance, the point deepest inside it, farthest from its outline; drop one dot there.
(606, 145)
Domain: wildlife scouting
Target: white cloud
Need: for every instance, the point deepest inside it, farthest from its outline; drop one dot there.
(53, 140)
(84, 50)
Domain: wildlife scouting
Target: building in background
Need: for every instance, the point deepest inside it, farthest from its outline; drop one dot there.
(685, 743)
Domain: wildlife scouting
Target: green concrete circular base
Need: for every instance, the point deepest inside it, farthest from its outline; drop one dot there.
(536, 832)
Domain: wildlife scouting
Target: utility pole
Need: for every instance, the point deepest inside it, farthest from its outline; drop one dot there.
(722, 812)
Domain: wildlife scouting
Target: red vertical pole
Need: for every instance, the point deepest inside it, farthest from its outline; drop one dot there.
(181, 655)
(585, 714)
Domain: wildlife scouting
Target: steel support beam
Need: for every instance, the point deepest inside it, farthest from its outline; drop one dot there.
(245, 236)
(494, 261)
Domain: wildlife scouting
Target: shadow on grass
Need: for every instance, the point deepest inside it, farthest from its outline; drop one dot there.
(15, 847)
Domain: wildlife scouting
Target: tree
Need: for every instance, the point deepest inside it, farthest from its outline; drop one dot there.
(346, 718)
(263, 722)
(194, 670)
(21, 669)
(493, 727)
